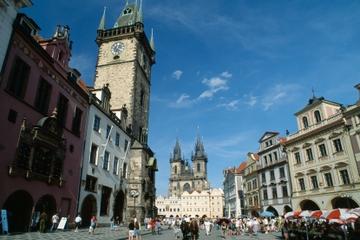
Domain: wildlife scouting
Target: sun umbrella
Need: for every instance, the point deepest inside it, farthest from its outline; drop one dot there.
(305, 213)
(317, 213)
(292, 214)
(355, 211)
(267, 214)
(340, 213)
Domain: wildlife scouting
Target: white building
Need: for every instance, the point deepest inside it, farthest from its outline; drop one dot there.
(105, 166)
(209, 203)
(274, 178)
(8, 11)
(234, 191)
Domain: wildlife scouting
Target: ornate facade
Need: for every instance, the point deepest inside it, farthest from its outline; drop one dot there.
(124, 63)
(186, 177)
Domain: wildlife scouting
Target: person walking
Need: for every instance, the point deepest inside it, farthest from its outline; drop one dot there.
(92, 227)
(43, 219)
(207, 225)
(137, 229)
(131, 230)
(77, 222)
(55, 222)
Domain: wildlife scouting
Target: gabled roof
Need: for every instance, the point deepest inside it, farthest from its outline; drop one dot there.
(314, 101)
(241, 167)
(267, 135)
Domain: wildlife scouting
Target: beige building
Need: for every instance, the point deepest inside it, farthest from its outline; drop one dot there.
(251, 185)
(209, 203)
(322, 166)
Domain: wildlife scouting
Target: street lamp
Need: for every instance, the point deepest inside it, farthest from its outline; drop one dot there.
(134, 194)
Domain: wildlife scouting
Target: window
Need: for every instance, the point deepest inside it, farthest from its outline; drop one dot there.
(272, 175)
(93, 153)
(275, 156)
(90, 183)
(77, 122)
(284, 191)
(142, 97)
(317, 116)
(116, 165)
(249, 186)
(175, 169)
(314, 182)
(305, 122)
(337, 145)
(198, 167)
(282, 172)
(263, 178)
(256, 200)
(18, 78)
(117, 139)
(297, 157)
(106, 161)
(265, 194)
(43, 96)
(96, 126)
(265, 159)
(254, 184)
(345, 176)
(270, 157)
(108, 129)
(302, 184)
(62, 106)
(126, 145)
(322, 150)
(124, 172)
(309, 154)
(250, 201)
(328, 179)
(105, 200)
(274, 193)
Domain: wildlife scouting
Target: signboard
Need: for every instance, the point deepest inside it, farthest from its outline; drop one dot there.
(4, 221)
(62, 223)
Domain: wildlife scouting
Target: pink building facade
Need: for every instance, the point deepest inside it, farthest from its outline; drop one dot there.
(42, 124)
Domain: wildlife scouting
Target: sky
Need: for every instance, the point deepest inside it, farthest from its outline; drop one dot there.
(227, 71)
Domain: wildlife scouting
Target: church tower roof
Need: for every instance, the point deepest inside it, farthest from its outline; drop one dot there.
(177, 152)
(131, 14)
(102, 21)
(199, 149)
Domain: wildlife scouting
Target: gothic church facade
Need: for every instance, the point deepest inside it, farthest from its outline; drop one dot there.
(186, 177)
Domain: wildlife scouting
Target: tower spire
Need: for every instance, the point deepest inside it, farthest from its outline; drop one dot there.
(139, 16)
(152, 43)
(102, 21)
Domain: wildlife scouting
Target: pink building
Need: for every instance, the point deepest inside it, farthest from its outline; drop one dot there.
(42, 125)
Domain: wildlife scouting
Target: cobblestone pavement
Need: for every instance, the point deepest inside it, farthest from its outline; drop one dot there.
(107, 234)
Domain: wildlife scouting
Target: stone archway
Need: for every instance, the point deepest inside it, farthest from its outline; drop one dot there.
(88, 209)
(19, 207)
(187, 187)
(118, 208)
(47, 204)
(309, 205)
(273, 210)
(344, 202)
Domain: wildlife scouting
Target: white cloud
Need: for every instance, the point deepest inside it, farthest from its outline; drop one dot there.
(177, 74)
(183, 101)
(280, 93)
(214, 85)
(251, 101)
(182, 98)
(226, 74)
(232, 105)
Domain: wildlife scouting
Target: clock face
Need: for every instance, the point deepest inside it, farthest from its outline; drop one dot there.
(117, 48)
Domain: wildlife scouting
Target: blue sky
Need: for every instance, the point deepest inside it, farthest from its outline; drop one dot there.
(230, 70)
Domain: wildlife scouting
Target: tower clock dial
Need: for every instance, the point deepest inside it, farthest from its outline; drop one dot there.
(117, 48)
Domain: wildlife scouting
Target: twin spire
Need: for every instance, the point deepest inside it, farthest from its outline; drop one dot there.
(199, 151)
(131, 14)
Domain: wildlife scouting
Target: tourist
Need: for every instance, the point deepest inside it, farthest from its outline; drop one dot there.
(55, 222)
(77, 222)
(131, 230)
(92, 227)
(43, 219)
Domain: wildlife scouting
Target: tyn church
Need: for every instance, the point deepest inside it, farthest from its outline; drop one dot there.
(185, 176)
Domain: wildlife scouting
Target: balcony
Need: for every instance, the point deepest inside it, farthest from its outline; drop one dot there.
(334, 118)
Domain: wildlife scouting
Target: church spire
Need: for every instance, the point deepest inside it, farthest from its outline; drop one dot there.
(152, 42)
(102, 21)
(139, 16)
(177, 151)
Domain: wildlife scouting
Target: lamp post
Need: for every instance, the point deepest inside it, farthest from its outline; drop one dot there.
(134, 194)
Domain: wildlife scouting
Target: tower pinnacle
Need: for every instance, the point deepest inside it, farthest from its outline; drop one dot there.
(102, 21)
(152, 43)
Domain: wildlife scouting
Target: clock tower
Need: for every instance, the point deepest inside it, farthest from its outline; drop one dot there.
(125, 58)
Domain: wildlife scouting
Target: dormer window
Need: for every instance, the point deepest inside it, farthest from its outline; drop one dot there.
(317, 116)
(305, 122)
(127, 11)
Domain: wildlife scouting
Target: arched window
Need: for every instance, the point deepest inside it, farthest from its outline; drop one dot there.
(305, 122)
(124, 170)
(175, 169)
(142, 97)
(317, 116)
(198, 167)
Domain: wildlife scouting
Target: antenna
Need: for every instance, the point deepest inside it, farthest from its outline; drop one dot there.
(313, 92)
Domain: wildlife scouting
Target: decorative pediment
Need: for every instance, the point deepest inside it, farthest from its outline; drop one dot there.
(294, 149)
(306, 145)
(334, 134)
(340, 164)
(319, 140)
(299, 174)
(311, 171)
(325, 168)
